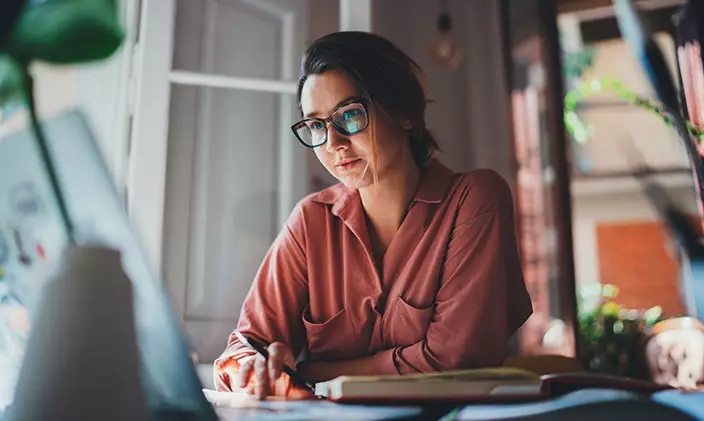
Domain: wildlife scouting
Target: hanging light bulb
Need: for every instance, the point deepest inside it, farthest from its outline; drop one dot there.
(446, 50)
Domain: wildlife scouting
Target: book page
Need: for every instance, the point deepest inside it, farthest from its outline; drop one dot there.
(487, 374)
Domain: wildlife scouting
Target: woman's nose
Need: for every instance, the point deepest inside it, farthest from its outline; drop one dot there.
(336, 141)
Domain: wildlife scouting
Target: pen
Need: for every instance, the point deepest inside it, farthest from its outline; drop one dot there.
(296, 378)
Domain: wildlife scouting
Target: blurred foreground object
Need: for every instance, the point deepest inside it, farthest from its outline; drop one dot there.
(639, 37)
(9, 14)
(83, 345)
(168, 377)
(674, 354)
(57, 32)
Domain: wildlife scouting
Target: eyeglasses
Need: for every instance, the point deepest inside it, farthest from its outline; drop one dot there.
(348, 119)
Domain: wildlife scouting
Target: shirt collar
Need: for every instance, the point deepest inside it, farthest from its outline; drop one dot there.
(435, 182)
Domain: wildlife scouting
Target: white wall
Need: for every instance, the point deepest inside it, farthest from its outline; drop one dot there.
(411, 25)
(55, 91)
(471, 112)
(62, 88)
(101, 97)
(55, 88)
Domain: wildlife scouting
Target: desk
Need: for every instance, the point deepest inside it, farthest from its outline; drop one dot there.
(588, 404)
(243, 407)
(328, 411)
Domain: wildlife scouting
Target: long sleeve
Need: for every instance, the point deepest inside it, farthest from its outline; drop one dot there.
(274, 306)
(482, 299)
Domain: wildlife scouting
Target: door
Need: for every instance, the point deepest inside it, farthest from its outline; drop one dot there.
(234, 172)
(213, 168)
(543, 205)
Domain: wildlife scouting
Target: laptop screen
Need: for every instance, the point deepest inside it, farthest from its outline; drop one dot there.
(32, 239)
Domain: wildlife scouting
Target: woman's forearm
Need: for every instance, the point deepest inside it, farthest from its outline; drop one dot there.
(323, 371)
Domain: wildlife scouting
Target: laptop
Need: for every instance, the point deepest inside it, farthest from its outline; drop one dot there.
(33, 238)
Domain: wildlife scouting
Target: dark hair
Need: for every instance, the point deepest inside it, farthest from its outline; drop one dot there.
(384, 75)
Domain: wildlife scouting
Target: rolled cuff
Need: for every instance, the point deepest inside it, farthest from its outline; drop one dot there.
(227, 364)
(384, 362)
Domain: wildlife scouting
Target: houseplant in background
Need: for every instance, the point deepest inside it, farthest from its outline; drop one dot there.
(59, 32)
(579, 131)
(579, 89)
(612, 335)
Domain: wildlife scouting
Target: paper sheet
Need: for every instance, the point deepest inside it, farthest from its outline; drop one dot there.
(243, 407)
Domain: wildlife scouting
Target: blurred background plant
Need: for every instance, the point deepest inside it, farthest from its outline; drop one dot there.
(59, 32)
(579, 88)
(575, 63)
(581, 133)
(612, 335)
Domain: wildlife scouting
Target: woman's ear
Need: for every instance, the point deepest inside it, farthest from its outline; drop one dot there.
(406, 124)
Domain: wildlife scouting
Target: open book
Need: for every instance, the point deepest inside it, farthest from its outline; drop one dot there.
(461, 385)
(481, 385)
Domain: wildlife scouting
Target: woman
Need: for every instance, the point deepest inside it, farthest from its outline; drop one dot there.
(404, 266)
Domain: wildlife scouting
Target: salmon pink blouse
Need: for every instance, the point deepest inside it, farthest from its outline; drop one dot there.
(448, 295)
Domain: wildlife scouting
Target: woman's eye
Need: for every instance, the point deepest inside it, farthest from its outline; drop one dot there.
(316, 125)
(348, 114)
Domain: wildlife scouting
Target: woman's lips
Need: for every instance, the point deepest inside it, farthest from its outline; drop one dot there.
(347, 164)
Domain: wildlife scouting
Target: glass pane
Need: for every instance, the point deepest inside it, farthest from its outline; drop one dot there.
(608, 72)
(624, 265)
(254, 38)
(543, 196)
(235, 171)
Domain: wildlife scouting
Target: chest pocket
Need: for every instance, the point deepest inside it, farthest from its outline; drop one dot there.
(405, 324)
(331, 339)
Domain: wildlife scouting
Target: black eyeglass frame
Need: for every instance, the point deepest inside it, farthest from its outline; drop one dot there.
(329, 120)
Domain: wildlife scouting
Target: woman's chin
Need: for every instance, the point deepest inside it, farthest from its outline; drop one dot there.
(354, 182)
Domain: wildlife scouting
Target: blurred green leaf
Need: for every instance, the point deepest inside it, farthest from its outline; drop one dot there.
(66, 32)
(610, 309)
(609, 291)
(10, 80)
(652, 315)
(581, 133)
(575, 63)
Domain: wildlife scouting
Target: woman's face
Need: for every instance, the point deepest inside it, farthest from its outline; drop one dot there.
(349, 158)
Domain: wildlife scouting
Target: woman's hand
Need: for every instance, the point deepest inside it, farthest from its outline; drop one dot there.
(263, 377)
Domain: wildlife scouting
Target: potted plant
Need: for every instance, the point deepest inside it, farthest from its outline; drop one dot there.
(612, 335)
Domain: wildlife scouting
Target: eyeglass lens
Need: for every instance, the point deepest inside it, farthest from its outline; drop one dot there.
(347, 120)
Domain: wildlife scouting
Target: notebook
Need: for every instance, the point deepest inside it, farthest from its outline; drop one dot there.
(491, 383)
(481, 385)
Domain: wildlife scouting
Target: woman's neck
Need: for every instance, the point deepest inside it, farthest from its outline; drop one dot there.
(386, 203)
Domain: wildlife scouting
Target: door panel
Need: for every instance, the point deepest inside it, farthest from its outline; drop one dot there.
(235, 194)
(234, 169)
(241, 38)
